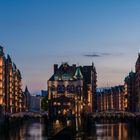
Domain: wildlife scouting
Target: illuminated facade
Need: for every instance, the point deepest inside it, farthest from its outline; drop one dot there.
(18, 91)
(2, 77)
(67, 93)
(89, 88)
(137, 84)
(130, 92)
(111, 99)
(10, 85)
(132, 88)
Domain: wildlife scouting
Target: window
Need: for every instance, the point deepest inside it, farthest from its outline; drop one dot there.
(61, 88)
(72, 88)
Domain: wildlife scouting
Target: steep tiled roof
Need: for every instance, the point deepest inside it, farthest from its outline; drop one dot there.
(109, 90)
(64, 72)
(67, 72)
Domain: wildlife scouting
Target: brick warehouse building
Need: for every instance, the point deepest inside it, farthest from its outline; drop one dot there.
(71, 90)
(11, 95)
(111, 99)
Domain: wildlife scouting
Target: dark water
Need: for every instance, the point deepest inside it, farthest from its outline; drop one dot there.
(113, 131)
(39, 130)
(27, 130)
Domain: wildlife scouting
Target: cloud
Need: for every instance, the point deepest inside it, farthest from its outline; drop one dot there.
(92, 55)
(96, 54)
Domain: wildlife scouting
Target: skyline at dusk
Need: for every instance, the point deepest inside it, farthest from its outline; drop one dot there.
(40, 33)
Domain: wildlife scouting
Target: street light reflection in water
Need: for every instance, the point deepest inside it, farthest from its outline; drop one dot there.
(39, 130)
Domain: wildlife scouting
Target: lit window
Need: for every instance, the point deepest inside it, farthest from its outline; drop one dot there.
(54, 103)
(58, 103)
(1, 62)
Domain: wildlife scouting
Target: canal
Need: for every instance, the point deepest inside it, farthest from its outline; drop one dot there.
(38, 129)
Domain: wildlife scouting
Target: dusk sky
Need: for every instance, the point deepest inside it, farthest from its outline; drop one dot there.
(40, 33)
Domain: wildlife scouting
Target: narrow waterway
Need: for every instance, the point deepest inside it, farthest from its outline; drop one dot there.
(37, 129)
(113, 131)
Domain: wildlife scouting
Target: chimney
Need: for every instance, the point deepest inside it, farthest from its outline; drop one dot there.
(74, 65)
(55, 67)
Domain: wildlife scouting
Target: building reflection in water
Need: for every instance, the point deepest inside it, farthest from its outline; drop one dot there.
(30, 130)
(100, 131)
(57, 125)
(78, 123)
(116, 131)
(38, 130)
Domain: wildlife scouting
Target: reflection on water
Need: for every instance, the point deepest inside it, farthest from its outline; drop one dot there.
(38, 130)
(29, 130)
(113, 131)
(118, 131)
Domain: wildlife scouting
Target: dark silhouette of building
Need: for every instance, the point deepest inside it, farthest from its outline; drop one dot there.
(44, 93)
(26, 99)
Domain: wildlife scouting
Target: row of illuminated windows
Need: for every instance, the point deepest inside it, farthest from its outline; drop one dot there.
(64, 103)
(69, 88)
(11, 79)
(68, 96)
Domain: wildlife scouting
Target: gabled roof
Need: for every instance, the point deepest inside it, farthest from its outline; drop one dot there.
(64, 72)
(109, 90)
(9, 58)
(26, 92)
(67, 72)
(78, 74)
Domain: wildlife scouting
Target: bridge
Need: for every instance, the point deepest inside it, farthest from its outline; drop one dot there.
(97, 115)
(17, 117)
(113, 115)
(28, 114)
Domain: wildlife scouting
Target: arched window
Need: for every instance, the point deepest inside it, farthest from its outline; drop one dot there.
(68, 88)
(78, 89)
(72, 88)
(61, 88)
